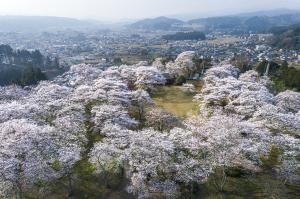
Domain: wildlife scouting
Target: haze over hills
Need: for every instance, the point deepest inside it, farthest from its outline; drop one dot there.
(41, 23)
(246, 24)
(198, 15)
(161, 23)
(256, 22)
(269, 13)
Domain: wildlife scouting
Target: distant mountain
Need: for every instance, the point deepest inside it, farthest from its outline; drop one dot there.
(41, 23)
(270, 13)
(244, 24)
(256, 22)
(218, 22)
(159, 23)
(286, 37)
(205, 14)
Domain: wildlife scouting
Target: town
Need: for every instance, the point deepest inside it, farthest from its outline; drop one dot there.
(106, 48)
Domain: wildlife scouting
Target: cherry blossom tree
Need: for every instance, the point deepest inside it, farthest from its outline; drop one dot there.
(45, 130)
(78, 75)
(28, 152)
(140, 101)
(13, 93)
(260, 120)
(146, 156)
(161, 120)
(141, 76)
(270, 117)
(289, 101)
(147, 77)
(111, 114)
(159, 65)
(183, 65)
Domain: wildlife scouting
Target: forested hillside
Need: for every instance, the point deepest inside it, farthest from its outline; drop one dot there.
(24, 67)
(286, 37)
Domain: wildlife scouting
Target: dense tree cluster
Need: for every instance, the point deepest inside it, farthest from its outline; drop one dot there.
(24, 67)
(21, 57)
(46, 130)
(179, 70)
(246, 97)
(240, 123)
(283, 76)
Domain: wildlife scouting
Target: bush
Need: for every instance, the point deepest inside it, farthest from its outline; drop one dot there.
(272, 159)
(180, 80)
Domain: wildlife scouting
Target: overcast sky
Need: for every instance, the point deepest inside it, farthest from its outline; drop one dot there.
(133, 9)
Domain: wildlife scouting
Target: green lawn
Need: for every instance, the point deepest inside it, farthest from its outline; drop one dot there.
(174, 100)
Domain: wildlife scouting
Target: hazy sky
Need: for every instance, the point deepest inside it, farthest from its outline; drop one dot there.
(132, 9)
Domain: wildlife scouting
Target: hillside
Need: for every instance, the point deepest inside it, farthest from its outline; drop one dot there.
(159, 23)
(286, 37)
(244, 24)
(257, 22)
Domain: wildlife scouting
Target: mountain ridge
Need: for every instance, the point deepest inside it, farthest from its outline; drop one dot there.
(260, 21)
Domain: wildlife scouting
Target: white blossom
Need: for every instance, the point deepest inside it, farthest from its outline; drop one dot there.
(183, 65)
(111, 114)
(289, 101)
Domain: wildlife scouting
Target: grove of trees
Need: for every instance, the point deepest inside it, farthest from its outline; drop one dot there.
(102, 125)
(24, 67)
(283, 76)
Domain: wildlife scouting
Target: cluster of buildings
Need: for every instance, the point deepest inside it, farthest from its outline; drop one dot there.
(104, 47)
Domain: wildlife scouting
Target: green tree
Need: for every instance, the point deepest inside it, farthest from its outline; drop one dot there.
(272, 160)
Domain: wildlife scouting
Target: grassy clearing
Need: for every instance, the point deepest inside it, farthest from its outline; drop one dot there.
(177, 102)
